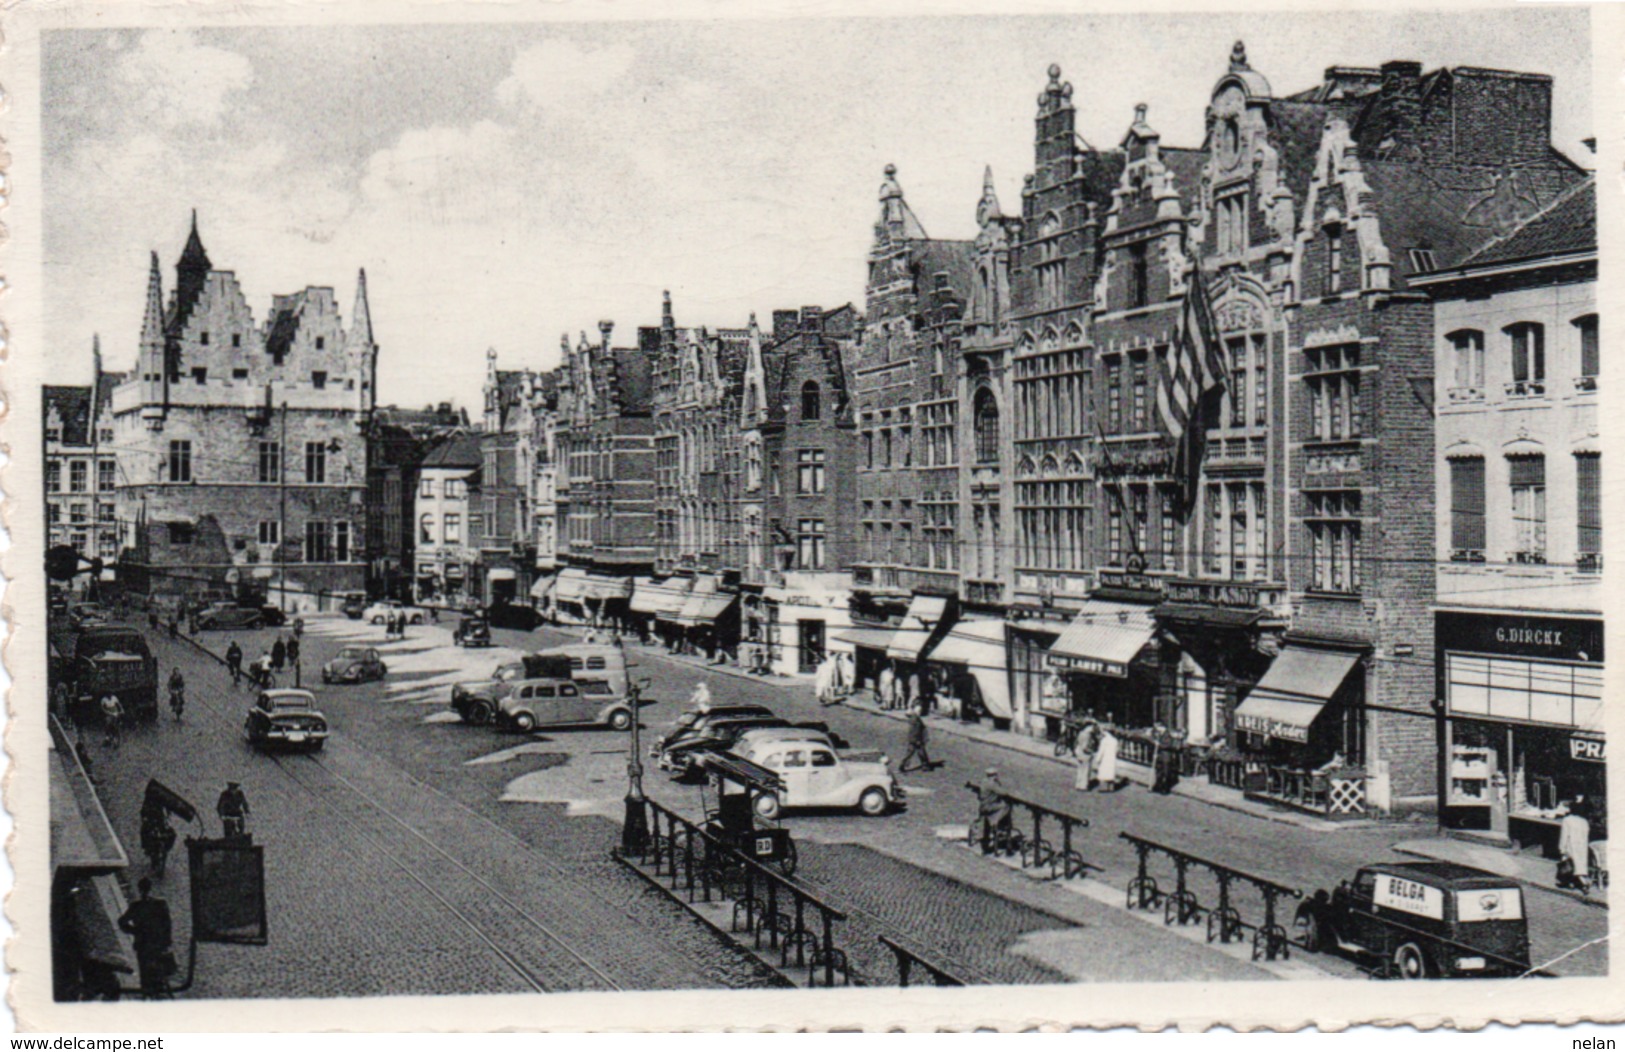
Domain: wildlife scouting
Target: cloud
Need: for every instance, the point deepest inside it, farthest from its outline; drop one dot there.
(180, 81)
(446, 175)
(557, 73)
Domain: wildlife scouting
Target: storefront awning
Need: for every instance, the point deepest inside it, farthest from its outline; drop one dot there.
(499, 573)
(1293, 692)
(872, 638)
(571, 586)
(979, 646)
(1104, 639)
(907, 643)
(602, 588)
(925, 610)
(541, 587)
(663, 598)
(705, 609)
(1197, 613)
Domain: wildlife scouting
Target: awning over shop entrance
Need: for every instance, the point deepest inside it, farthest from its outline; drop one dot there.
(602, 588)
(1293, 692)
(660, 598)
(979, 646)
(499, 573)
(1104, 639)
(872, 638)
(704, 609)
(907, 643)
(925, 610)
(541, 587)
(571, 586)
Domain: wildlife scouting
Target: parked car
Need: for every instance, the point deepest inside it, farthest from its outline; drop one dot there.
(472, 632)
(688, 719)
(815, 774)
(476, 701)
(594, 661)
(1422, 920)
(354, 605)
(286, 717)
(809, 729)
(86, 615)
(678, 753)
(386, 608)
(509, 615)
(272, 616)
(229, 615)
(354, 664)
(554, 702)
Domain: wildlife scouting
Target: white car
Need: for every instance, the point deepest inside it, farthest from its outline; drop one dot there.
(815, 774)
(379, 612)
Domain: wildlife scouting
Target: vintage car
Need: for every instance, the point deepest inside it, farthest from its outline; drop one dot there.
(476, 701)
(354, 664)
(594, 661)
(379, 612)
(86, 615)
(555, 702)
(229, 615)
(354, 605)
(272, 616)
(112, 660)
(286, 717)
(688, 719)
(678, 752)
(1422, 920)
(815, 774)
(510, 615)
(472, 632)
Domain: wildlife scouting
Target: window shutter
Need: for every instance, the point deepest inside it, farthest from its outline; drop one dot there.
(1467, 504)
(1589, 471)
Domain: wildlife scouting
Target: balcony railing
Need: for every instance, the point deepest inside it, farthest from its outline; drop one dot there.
(1467, 555)
(1526, 389)
(1585, 383)
(1457, 395)
(1588, 562)
(1530, 558)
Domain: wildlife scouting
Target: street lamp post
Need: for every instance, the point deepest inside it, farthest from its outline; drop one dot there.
(635, 830)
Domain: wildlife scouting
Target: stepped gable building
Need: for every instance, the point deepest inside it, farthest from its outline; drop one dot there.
(907, 358)
(1519, 632)
(800, 453)
(606, 491)
(259, 428)
(544, 479)
(81, 468)
(500, 520)
(1054, 263)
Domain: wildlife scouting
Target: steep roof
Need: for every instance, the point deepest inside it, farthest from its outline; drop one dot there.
(72, 405)
(635, 374)
(1186, 166)
(459, 451)
(933, 257)
(284, 326)
(1567, 225)
(1297, 132)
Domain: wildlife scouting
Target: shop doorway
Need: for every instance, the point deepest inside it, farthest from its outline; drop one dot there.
(812, 645)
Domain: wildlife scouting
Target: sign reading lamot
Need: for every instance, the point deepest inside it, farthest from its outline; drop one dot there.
(1092, 666)
(1271, 727)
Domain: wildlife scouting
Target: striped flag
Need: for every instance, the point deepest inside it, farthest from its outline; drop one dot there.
(1190, 373)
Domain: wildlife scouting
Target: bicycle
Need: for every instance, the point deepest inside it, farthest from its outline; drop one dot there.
(1066, 739)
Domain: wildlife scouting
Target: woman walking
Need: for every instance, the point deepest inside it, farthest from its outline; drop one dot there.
(1106, 759)
(1086, 749)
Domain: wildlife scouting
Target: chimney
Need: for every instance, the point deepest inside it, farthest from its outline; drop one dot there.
(604, 329)
(1401, 95)
(812, 319)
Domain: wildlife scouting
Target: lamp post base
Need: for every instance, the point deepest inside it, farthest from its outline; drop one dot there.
(635, 830)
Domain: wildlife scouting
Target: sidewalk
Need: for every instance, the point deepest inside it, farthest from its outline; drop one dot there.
(1541, 872)
(1228, 799)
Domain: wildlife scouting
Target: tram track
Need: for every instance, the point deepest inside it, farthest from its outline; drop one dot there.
(505, 927)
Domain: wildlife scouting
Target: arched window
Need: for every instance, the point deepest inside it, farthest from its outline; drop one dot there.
(426, 530)
(987, 427)
(809, 400)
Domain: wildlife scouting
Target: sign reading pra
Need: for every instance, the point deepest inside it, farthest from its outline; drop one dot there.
(1407, 896)
(1588, 750)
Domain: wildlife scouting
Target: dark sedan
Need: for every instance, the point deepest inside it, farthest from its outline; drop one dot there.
(507, 615)
(229, 615)
(354, 665)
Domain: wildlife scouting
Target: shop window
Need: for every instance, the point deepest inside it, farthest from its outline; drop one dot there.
(1467, 509)
(1527, 476)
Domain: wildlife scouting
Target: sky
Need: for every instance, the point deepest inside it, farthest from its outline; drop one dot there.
(504, 184)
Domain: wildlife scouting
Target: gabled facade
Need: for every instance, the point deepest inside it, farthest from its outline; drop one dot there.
(260, 427)
(81, 468)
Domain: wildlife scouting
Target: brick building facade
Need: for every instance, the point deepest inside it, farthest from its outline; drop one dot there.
(81, 469)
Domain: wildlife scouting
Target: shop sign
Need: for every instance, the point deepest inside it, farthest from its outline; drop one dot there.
(1089, 666)
(1130, 581)
(1587, 749)
(1563, 638)
(1212, 593)
(1407, 896)
(1271, 728)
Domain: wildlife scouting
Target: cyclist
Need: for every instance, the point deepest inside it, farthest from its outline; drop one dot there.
(177, 693)
(156, 836)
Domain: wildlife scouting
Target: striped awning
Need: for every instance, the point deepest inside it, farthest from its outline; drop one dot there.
(1103, 639)
(1293, 692)
(907, 643)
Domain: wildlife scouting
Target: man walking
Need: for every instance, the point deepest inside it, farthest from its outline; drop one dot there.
(918, 738)
(234, 663)
(293, 658)
(147, 922)
(279, 654)
(232, 808)
(112, 721)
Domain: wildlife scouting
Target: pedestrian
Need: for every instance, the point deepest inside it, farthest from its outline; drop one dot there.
(1085, 749)
(262, 671)
(1161, 752)
(293, 650)
(849, 674)
(147, 922)
(700, 700)
(234, 663)
(993, 814)
(1106, 759)
(823, 687)
(177, 693)
(232, 807)
(156, 836)
(61, 698)
(918, 740)
(279, 654)
(112, 721)
(911, 690)
(886, 687)
(1574, 846)
(174, 626)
